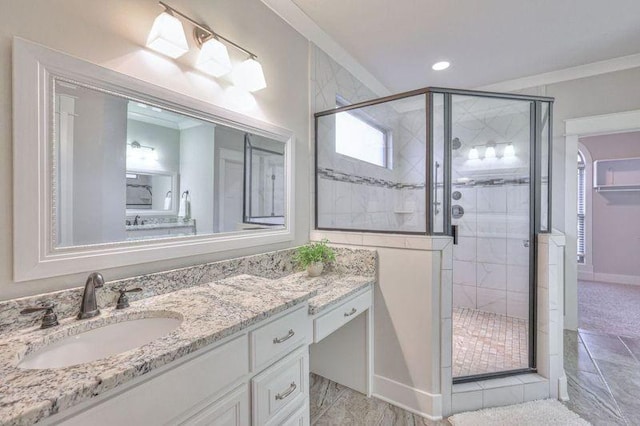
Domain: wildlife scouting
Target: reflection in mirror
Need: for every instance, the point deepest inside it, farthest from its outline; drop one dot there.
(264, 181)
(130, 170)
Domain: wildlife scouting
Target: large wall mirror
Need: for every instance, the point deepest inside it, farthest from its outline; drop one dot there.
(129, 166)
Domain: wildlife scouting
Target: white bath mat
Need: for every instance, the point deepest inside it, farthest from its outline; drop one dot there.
(547, 412)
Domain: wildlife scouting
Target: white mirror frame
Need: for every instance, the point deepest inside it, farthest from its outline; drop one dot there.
(35, 255)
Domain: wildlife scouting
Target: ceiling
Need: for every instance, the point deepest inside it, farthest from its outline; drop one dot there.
(486, 41)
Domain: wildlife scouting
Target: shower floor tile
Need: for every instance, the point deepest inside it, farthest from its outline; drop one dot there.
(484, 342)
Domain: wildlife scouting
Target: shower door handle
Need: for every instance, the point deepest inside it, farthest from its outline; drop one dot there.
(454, 234)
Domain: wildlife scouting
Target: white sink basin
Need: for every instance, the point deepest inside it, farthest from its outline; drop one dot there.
(99, 343)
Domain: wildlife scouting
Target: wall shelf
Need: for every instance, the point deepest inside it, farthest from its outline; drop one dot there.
(616, 175)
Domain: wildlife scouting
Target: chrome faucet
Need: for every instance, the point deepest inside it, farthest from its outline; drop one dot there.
(135, 220)
(89, 306)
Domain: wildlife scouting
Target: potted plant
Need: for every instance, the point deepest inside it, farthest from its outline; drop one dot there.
(313, 256)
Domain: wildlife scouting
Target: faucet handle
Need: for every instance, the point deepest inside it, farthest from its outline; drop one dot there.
(50, 319)
(123, 300)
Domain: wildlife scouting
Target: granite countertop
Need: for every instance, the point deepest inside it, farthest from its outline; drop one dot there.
(209, 313)
(161, 225)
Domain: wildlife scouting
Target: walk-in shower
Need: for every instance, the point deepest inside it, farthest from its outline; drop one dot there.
(472, 165)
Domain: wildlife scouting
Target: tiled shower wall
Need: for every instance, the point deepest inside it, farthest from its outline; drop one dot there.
(353, 194)
(491, 260)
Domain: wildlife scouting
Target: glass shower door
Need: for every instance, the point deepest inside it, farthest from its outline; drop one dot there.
(490, 205)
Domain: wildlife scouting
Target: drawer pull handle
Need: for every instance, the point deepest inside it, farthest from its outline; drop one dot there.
(353, 311)
(288, 392)
(285, 338)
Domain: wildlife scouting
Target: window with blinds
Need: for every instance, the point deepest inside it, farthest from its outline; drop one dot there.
(581, 207)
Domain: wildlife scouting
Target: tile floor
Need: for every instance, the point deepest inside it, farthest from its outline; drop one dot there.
(485, 342)
(334, 404)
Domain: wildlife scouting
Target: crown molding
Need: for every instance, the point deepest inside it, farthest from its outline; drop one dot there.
(566, 74)
(302, 23)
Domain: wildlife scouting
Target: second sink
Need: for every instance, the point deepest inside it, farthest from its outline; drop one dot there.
(99, 343)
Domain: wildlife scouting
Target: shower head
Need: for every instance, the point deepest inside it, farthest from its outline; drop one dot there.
(455, 143)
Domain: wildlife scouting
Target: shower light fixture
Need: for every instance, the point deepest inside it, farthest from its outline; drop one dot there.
(509, 151)
(473, 153)
(167, 37)
(490, 152)
(439, 66)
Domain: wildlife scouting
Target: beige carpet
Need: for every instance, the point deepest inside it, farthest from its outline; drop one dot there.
(548, 412)
(609, 308)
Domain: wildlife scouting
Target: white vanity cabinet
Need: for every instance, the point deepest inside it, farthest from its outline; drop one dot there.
(259, 376)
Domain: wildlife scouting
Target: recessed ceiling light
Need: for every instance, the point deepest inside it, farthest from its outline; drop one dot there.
(439, 66)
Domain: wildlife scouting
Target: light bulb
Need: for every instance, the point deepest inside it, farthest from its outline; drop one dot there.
(167, 36)
(248, 75)
(214, 58)
(490, 152)
(473, 154)
(509, 151)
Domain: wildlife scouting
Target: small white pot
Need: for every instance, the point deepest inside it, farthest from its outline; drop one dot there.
(315, 269)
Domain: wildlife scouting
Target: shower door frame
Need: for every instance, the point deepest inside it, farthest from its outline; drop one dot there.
(535, 179)
(535, 200)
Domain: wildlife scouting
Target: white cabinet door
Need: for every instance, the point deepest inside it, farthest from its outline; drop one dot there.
(230, 410)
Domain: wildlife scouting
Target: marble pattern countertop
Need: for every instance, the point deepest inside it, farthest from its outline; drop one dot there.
(209, 313)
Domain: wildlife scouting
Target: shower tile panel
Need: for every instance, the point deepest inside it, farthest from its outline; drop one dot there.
(493, 225)
(492, 300)
(466, 225)
(518, 278)
(464, 296)
(464, 273)
(491, 275)
(465, 249)
(518, 226)
(518, 305)
(518, 199)
(517, 253)
(492, 250)
(492, 199)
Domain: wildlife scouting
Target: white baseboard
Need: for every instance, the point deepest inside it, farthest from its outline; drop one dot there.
(609, 278)
(414, 400)
(563, 394)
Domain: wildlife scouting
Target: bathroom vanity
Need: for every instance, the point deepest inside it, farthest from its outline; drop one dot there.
(240, 355)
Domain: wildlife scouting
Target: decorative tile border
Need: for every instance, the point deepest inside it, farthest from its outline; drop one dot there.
(337, 176)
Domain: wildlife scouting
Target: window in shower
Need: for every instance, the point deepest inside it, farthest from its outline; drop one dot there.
(357, 187)
(361, 139)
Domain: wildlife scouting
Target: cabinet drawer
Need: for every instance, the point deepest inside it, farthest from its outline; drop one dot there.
(230, 410)
(280, 389)
(276, 339)
(340, 315)
(299, 418)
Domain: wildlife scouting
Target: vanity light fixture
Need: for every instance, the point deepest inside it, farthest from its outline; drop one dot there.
(248, 75)
(167, 35)
(214, 57)
(136, 151)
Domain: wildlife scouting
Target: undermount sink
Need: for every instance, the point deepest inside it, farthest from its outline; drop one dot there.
(99, 343)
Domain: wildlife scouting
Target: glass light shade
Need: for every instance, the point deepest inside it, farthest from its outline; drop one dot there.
(167, 36)
(249, 76)
(509, 151)
(490, 152)
(214, 58)
(473, 154)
